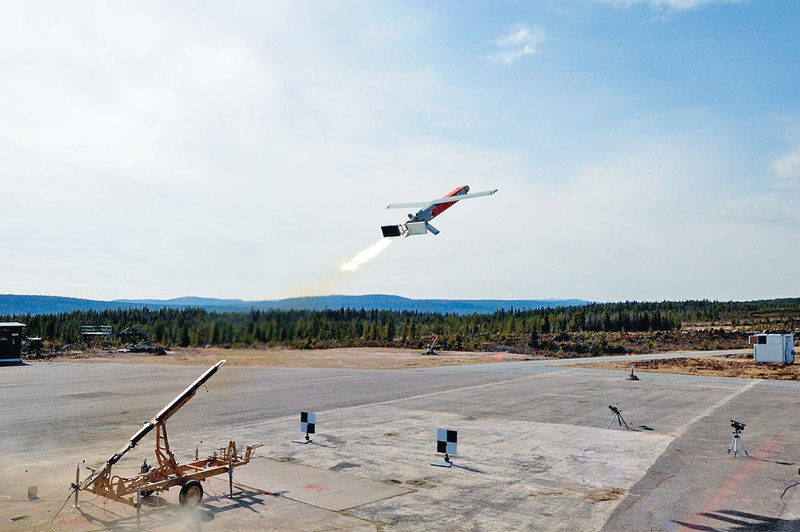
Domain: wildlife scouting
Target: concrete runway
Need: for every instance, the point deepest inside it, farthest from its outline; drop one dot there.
(534, 451)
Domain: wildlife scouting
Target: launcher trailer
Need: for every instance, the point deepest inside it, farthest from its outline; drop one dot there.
(169, 473)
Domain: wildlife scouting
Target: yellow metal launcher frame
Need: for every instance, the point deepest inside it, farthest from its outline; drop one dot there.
(169, 472)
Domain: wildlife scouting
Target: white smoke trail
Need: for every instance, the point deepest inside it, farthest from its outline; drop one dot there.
(366, 255)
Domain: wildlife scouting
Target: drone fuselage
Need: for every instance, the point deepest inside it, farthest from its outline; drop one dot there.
(417, 224)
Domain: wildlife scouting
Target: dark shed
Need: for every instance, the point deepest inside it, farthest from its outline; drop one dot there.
(11, 341)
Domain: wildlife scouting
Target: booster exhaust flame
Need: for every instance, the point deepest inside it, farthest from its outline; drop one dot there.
(366, 255)
(339, 272)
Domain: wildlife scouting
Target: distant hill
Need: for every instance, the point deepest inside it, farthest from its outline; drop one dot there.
(22, 304)
(208, 303)
(16, 305)
(389, 302)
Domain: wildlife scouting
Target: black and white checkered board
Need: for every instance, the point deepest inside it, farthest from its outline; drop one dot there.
(446, 441)
(308, 421)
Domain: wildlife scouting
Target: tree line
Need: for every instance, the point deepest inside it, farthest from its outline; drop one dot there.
(195, 327)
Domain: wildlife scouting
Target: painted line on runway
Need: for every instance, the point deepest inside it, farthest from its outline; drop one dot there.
(475, 387)
(713, 407)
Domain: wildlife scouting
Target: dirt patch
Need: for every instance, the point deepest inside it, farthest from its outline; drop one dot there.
(356, 358)
(738, 366)
(602, 495)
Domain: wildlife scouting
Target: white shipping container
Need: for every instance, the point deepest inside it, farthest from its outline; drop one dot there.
(773, 348)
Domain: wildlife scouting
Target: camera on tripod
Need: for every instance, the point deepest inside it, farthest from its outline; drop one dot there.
(614, 409)
(737, 428)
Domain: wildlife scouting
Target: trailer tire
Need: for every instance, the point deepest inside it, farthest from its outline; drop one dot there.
(191, 493)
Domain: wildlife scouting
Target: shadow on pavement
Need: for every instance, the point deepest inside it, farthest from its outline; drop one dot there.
(735, 521)
(160, 513)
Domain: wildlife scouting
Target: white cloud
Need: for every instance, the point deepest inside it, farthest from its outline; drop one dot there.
(788, 166)
(520, 41)
(227, 144)
(672, 5)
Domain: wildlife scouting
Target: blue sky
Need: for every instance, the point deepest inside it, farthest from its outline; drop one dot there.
(643, 150)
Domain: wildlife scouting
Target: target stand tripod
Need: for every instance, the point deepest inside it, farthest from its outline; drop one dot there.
(616, 417)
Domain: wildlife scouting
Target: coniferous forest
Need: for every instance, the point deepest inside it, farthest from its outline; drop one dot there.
(595, 329)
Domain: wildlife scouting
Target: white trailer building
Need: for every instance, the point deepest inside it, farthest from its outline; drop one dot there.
(773, 348)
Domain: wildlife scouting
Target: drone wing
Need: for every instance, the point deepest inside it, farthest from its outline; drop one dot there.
(448, 199)
(409, 205)
(451, 199)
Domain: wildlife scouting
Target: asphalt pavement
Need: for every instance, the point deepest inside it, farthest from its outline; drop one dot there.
(534, 450)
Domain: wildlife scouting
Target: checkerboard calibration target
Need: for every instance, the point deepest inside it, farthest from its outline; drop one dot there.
(308, 421)
(446, 441)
